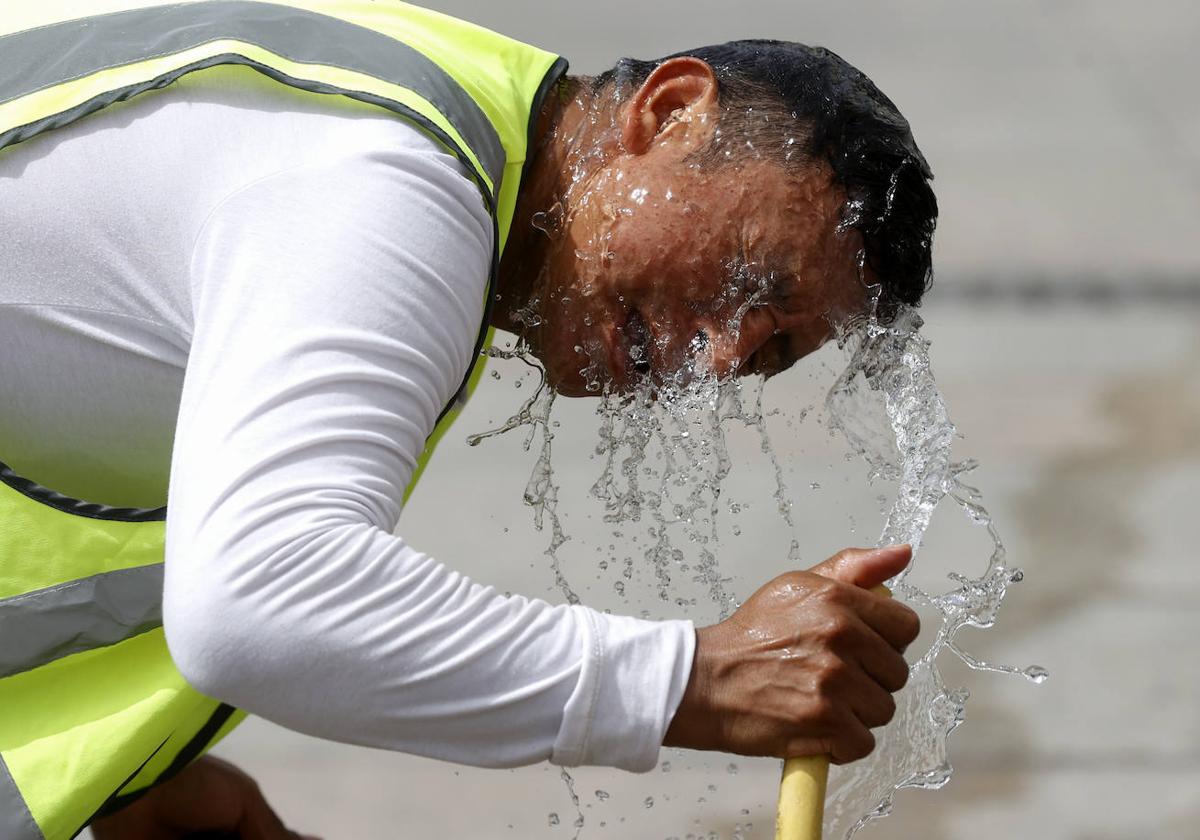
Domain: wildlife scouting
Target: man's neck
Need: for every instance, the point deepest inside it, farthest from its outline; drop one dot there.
(565, 126)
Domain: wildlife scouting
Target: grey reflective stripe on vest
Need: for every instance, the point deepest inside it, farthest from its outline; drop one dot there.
(48, 624)
(16, 823)
(40, 58)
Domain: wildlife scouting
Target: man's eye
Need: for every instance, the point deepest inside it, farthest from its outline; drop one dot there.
(759, 291)
(785, 294)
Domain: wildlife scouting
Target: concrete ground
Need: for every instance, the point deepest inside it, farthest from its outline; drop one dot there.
(1066, 329)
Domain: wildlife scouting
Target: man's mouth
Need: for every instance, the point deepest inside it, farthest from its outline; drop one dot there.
(631, 349)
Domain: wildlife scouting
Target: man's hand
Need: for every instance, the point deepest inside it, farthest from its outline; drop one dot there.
(210, 797)
(805, 667)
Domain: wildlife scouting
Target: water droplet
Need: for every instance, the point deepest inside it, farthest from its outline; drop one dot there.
(1036, 674)
(552, 819)
(602, 795)
(648, 802)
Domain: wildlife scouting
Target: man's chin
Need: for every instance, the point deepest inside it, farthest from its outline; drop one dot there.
(568, 383)
(573, 391)
(574, 385)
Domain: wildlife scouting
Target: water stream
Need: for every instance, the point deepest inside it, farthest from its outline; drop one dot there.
(663, 459)
(888, 406)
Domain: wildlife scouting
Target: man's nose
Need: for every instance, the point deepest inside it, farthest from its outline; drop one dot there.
(719, 348)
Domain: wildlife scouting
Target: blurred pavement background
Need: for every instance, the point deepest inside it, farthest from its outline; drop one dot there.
(1065, 320)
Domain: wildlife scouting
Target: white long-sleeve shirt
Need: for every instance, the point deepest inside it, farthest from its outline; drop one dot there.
(256, 301)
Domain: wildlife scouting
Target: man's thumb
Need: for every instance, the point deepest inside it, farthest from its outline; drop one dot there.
(865, 567)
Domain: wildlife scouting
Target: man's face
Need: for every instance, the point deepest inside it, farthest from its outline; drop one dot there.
(663, 266)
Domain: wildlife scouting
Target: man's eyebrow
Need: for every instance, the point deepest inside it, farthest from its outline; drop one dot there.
(770, 280)
(739, 266)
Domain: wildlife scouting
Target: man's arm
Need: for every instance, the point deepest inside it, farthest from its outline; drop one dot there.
(335, 308)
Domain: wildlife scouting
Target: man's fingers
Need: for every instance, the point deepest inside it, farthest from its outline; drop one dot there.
(885, 666)
(897, 623)
(865, 568)
(852, 741)
(871, 704)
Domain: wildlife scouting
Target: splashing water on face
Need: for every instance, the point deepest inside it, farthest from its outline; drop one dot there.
(664, 459)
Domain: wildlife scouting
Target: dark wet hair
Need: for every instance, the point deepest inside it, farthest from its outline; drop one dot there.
(844, 119)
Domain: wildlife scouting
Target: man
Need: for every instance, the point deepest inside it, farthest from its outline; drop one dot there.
(258, 290)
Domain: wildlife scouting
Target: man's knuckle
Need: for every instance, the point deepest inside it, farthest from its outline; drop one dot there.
(838, 593)
(834, 630)
(831, 673)
(825, 709)
(788, 579)
(845, 555)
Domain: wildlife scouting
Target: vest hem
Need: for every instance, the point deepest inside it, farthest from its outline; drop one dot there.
(77, 507)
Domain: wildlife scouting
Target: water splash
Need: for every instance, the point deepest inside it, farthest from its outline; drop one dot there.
(663, 459)
(579, 821)
(666, 457)
(888, 406)
(541, 493)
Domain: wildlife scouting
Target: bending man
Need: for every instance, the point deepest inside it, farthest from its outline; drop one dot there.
(251, 251)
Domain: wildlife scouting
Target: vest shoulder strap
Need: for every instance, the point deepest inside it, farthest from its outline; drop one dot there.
(56, 73)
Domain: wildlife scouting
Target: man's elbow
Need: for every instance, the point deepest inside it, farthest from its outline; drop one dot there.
(209, 641)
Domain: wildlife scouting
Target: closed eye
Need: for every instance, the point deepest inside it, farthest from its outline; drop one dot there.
(784, 291)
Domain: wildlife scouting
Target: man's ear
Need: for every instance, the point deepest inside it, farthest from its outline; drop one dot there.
(683, 83)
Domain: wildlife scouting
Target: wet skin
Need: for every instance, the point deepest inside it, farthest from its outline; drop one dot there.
(639, 255)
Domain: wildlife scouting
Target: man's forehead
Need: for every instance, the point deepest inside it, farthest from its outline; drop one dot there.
(792, 213)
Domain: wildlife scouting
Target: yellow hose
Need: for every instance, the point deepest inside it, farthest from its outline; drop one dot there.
(801, 809)
(802, 798)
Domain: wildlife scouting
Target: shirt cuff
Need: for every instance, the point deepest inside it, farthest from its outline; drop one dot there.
(632, 679)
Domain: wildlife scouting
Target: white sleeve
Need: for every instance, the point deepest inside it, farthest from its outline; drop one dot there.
(335, 310)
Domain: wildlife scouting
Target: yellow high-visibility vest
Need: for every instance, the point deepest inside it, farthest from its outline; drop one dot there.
(92, 710)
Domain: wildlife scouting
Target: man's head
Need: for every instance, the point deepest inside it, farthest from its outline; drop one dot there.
(729, 206)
